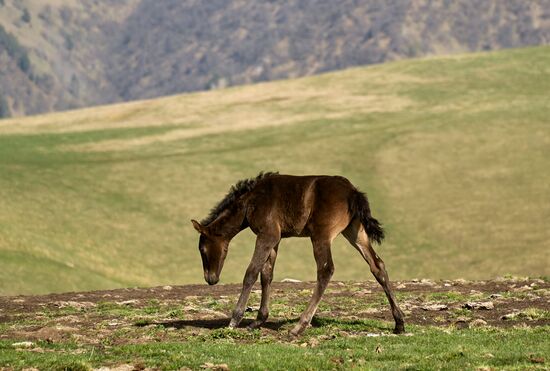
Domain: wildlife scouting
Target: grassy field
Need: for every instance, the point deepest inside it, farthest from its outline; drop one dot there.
(453, 153)
(184, 327)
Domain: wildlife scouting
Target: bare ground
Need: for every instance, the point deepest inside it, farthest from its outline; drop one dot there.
(139, 315)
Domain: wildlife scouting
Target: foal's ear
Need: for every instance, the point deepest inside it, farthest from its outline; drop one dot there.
(197, 226)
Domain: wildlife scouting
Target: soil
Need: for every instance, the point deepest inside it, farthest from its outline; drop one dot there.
(121, 315)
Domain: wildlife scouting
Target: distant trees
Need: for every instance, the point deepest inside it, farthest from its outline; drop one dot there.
(9, 43)
(4, 107)
(26, 17)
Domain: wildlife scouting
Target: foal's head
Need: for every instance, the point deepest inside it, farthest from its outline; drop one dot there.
(213, 249)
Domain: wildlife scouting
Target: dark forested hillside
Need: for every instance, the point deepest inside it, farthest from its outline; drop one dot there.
(94, 52)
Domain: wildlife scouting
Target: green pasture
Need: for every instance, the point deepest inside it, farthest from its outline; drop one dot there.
(453, 153)
(425, 349)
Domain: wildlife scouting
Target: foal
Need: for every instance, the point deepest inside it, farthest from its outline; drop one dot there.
(277, 206)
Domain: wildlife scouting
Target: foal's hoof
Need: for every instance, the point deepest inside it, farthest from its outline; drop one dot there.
(297, 331)
(255, 324)
(399, 329)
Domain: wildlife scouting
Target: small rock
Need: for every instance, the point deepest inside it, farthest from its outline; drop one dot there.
(124, 367)
(127, 302)
(167, 287)
(523, 288)
(23, 344)
(401, 286)
(535, 359)
(461, 325)
(510, 315)
(219, 367)
(369, 311)
(363, 292)
(485, 305)
(495, 296)
(478, 323)
(74, 304)
(291, 280)
(313, 342)
(447, 285)
(434, 307)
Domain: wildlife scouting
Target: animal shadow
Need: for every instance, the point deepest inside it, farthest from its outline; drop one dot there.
(275, 325)
(215, 323)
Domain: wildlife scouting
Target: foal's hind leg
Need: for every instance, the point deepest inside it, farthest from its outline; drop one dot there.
(266, 276)
(325, 269)
(356, 235)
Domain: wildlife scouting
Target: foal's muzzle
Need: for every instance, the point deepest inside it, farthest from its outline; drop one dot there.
(211, 278)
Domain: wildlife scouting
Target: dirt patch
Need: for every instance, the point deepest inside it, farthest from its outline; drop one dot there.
(175, 312)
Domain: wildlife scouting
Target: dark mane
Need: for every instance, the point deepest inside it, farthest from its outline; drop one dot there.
(236, 191)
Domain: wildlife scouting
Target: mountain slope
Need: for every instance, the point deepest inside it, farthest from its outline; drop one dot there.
(453, 153)
(86, 52)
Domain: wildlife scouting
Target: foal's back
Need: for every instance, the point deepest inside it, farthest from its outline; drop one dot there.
(300, 205)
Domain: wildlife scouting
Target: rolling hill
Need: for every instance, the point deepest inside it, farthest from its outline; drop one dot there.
(63, 54)
(452, 151)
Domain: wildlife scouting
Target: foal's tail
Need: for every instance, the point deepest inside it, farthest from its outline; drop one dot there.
(359, 207)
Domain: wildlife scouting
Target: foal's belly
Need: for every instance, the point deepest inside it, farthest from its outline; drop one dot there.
(303, 233)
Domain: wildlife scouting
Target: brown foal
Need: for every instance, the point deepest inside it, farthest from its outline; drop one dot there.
(277, 206)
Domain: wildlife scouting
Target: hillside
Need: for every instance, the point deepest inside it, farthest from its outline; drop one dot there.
(453, 153)
(89, 52)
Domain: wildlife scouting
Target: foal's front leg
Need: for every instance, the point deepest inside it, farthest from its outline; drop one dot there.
(266, 277)
(264, 245)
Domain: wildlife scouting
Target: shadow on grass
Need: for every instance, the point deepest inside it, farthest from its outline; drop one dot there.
(215, 323)
(316, 322)
(351, 325)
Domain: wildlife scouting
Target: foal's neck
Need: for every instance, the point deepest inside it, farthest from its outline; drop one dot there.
(229, 223)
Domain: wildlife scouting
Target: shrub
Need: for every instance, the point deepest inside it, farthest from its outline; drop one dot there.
(26, 17)
(4, 107)
(15, 50)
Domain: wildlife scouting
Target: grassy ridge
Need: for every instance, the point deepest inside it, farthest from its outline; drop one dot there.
(453, 153)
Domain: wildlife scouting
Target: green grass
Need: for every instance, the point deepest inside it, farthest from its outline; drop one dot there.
(147, 329)
(426, 349)
(453, 153)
